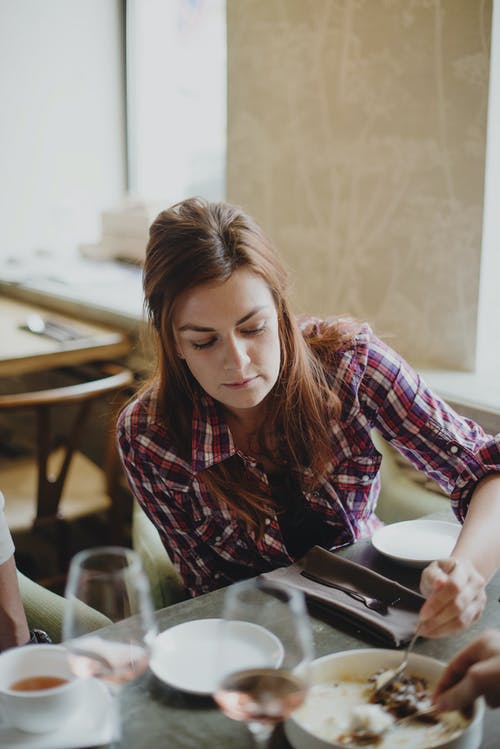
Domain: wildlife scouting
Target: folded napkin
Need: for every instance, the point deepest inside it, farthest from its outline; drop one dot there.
(395, 626)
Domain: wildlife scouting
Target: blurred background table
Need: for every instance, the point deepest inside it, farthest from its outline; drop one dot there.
(50, 384)
(156, 715)
(23, 351)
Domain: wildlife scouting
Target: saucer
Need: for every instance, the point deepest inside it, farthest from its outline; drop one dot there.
(188, 655)
(91, 725)
(416, 543)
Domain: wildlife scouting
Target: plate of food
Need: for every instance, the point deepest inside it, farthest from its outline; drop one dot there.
(188, 656)
(340, 706)
(416, 543)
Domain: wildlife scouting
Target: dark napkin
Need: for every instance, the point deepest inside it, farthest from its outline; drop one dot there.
(396, 627)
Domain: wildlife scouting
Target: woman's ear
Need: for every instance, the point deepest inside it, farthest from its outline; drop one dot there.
(177, 346)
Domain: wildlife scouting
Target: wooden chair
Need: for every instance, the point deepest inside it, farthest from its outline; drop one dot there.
(46, 492)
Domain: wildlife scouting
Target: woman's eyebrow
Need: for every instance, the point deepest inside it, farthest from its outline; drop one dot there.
(203, 329)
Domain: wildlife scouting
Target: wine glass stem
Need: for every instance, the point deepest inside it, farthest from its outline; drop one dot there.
(115, 691)
(261, 734)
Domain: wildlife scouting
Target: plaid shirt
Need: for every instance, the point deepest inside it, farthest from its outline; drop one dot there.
(211, 547)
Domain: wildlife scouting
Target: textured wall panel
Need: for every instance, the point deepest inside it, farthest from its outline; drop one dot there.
(356, 136)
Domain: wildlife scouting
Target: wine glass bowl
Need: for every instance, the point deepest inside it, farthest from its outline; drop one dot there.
(111, 581)
(266, 686)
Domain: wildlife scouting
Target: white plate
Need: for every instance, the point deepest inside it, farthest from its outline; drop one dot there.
(188, 655)
(93, 724)
(416, 543)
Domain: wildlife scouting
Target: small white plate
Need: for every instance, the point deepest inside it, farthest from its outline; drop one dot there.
(93, 724)
(188, 656)
(416, 543)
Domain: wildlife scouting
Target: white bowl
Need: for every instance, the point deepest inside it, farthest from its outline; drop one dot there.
(360, 664)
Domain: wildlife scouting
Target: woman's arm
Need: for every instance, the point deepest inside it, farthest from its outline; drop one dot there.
(461, 457)
(478, 541)
(454, 587)
(13, 624)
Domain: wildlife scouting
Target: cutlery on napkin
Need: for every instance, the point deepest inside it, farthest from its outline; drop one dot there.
(394, 623)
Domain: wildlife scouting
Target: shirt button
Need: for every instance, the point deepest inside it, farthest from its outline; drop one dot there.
(217, 539)
(365, 479)
(267, 521)
(453, 449)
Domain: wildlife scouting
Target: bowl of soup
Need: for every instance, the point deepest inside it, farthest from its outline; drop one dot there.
(342, 687)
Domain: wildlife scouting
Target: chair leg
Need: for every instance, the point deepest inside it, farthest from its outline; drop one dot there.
(57, 533)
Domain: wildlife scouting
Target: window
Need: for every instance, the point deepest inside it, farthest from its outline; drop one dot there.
(176, 98)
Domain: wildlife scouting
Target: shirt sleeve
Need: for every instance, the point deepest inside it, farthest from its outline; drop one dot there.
(6, 544)
(447, 447)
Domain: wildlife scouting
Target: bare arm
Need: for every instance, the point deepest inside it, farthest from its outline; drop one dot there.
(455, 587)
(478, 541)
(13, 624)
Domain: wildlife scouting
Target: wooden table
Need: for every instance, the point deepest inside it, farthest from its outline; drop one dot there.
(158, 716)
(22, 351)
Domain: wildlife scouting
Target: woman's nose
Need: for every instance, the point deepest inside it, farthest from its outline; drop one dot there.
(235, 354)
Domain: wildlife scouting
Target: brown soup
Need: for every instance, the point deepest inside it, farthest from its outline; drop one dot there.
(33, 683)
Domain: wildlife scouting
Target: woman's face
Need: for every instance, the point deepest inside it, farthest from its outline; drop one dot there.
(228, 335)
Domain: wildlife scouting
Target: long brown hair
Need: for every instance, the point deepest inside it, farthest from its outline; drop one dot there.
(196, 242)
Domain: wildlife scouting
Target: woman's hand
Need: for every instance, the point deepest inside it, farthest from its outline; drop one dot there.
(455, 595)
(474, 671)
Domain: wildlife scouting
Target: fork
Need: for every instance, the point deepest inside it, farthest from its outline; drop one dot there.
(375, 604)
(57, 331)
(388, 677)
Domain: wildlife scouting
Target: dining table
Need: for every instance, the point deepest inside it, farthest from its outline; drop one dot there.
(157, 715)
(35, 338)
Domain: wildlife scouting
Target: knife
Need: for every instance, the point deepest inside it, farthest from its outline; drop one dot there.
(374, 604)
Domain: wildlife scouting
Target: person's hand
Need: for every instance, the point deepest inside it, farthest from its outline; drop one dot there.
(474, 671)
(455, 595)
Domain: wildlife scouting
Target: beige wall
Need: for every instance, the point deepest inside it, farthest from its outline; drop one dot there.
(356, 136)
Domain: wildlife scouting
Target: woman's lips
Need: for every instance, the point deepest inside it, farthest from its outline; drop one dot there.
(240, 384)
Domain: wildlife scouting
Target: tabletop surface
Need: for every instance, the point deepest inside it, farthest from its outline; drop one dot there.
(98, 290)
(23, 351)
(156, 715)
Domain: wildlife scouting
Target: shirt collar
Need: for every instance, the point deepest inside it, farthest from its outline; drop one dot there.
(211, 439)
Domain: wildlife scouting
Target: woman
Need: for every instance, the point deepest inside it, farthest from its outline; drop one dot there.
(252, 442)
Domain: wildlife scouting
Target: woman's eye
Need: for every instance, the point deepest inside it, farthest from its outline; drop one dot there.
(206, 344)
(253, 331)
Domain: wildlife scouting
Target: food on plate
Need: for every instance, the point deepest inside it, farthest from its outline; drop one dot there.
(370, 720)
(345, 711)
(405, 696)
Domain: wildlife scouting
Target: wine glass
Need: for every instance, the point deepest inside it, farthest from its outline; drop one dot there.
(111, 581)
(264, 670)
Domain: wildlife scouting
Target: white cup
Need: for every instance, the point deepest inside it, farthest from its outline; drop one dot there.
(41, 710)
